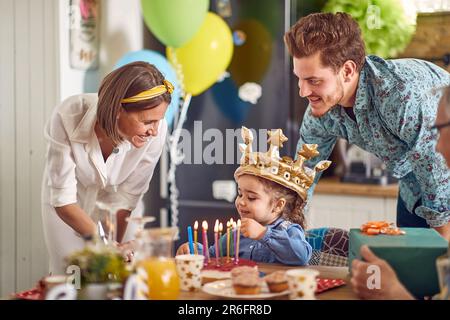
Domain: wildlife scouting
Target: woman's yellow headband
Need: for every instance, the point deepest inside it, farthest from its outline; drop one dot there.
(151, 93)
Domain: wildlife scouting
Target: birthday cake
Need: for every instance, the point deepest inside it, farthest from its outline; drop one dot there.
(213, 271)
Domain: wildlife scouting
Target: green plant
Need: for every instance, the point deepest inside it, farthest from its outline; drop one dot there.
(387, 25)
(99, 264)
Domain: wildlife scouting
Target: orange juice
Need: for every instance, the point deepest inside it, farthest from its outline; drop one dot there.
(162, 278)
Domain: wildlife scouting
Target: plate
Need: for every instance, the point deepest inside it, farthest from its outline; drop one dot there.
(224, 288)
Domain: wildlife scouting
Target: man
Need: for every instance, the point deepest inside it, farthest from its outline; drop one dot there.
(391, 288)
(386, 107)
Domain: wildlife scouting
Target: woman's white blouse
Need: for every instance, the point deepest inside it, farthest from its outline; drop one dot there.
(75, 171)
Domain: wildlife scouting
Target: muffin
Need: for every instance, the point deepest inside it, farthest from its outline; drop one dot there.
(246, 283)
(277, 281)
(244, 270)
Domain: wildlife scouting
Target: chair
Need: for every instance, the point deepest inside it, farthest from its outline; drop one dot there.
(330, 246)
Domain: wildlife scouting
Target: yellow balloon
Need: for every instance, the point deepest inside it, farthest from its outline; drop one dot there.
(205, 57)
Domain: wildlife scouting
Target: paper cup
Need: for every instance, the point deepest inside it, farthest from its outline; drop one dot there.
(189, 267)
(302, 283)
(50, 282)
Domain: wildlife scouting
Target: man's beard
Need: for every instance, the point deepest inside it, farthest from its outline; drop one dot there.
(331, 101)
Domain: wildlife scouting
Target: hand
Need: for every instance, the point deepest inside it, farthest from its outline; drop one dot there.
(444, 231)
(390, 288)
(252, 229)
(183, 249)
(127, 249)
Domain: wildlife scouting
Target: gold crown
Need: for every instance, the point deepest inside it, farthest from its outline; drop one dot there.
(284, 171)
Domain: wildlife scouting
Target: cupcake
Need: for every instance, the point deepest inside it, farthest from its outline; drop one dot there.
(246, 283)
(277, 281)
(244, 270)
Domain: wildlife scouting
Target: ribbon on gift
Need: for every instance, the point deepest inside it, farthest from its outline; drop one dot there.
(372, 228)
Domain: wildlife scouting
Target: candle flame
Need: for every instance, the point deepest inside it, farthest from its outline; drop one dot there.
(205, 225)
(228, 224)
(196, 225)
(216, 226)
(239, 223)
(220, 227)
(231, 221)
(234, 225)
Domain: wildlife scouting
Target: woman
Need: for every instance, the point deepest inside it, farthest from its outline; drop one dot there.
(102, 149)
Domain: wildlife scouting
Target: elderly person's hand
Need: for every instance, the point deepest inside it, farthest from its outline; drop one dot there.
(389, 288)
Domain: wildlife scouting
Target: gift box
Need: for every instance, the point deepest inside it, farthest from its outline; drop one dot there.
(412, 256)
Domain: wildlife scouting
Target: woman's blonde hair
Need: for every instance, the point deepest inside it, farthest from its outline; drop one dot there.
(293, 209)
(125, 82)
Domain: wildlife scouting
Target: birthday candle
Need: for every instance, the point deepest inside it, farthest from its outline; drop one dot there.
(216, 240)
(195, 237)
(228, 240)
(205, 241)
(191, 245)
(231, 238)
(235, 239)
(220, 237)
(238, 237)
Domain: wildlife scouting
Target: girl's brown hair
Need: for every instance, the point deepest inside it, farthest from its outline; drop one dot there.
(337, 37)
(293, 209)
(125, 82)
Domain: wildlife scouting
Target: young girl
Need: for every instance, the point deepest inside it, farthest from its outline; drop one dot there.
(270, 201)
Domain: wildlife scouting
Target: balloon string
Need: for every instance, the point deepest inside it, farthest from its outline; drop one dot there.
(175, 151)
(176, 157)
(178, 69)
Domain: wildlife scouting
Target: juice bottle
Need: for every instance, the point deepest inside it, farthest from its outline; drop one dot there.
(162, 278)
(155, 257)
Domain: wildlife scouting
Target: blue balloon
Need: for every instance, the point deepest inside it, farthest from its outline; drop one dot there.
(160, 62)
(225, 94)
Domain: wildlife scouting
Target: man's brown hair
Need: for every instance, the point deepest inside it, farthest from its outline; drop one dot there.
(337, 37)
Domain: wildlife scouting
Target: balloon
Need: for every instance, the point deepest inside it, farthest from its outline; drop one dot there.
(161, 63)
(174, 22)
(226, 96)
(268, 12)
(206, 56)
(251, 59)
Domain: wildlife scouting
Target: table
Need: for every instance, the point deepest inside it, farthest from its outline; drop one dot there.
(341, 293)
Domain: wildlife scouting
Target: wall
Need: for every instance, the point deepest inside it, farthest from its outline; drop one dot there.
(121, 29)
(432, 38)
(29, 90)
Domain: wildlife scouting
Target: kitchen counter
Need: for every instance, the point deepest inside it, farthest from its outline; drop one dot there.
(332, 185)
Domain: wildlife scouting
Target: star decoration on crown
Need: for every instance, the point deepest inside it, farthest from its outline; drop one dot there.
(286, 171)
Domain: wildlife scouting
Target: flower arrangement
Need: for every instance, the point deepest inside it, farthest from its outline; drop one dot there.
(387, 26)
(99, 264)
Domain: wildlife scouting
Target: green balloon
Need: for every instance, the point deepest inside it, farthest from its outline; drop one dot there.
(174, 22)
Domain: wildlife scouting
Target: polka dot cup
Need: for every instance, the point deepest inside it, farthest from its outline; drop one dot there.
(302, 283)
(189, 267)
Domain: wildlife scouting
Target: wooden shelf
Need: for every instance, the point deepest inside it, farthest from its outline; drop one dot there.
(332, 185)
